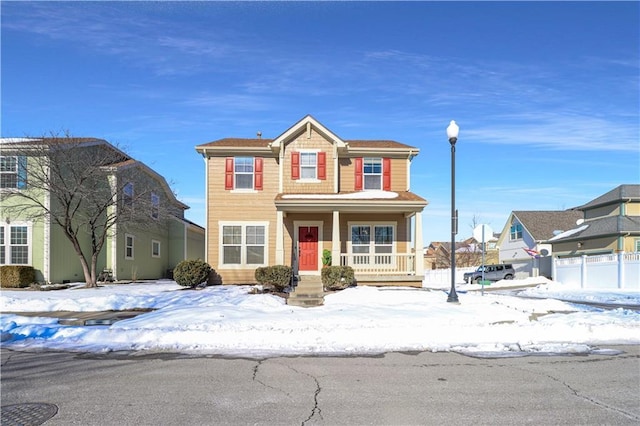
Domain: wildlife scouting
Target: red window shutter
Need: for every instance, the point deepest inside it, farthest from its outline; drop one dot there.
(258, 173)
(228, 173)
(295, 165)
(358, 164)
(322, 165)
(386, 174)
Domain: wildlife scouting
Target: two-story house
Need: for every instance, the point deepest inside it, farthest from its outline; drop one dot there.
(29, 235)
(608, 224)
(283, 201)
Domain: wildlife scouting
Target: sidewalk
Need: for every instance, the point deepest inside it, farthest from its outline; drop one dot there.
(85, 318)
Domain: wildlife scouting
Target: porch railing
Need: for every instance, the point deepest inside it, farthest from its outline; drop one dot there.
(380, 264)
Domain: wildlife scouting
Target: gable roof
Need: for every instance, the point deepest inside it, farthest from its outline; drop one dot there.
(541, 224)
(620, 193)
(264, 144)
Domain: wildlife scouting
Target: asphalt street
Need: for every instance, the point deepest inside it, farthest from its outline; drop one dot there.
(394, 389)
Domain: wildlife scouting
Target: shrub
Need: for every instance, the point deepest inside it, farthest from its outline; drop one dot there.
(326, 257)
(17, 276)
(278, 276)
(337, 277)
(190, 273)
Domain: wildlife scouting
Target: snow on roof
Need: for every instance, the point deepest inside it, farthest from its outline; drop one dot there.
(362, 195)
(569, 232)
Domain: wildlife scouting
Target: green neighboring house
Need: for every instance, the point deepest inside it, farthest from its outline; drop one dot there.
(135, 254)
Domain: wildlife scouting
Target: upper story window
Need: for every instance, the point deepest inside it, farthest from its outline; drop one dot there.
(372, 174)
(244, 173)
(13, 172)
(127, 195)
(308, 165)
(515, 232)
(155, 206)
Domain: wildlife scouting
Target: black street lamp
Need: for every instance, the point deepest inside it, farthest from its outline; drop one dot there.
(452, 134)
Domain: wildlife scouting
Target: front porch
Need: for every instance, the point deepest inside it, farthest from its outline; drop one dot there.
(384, 269)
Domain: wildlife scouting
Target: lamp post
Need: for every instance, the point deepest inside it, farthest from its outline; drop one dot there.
(452, 134)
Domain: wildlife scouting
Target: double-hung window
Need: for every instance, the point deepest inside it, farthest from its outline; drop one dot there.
(128, 246)
(155, 248)
(243, 173)
(243, 169)
(243, 244)
(15, 244)
(515, 232)
(372, 244)
(372, 172)
(308, 165)
(13, 172)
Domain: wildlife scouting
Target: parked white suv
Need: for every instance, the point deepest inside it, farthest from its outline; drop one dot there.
(491, 272)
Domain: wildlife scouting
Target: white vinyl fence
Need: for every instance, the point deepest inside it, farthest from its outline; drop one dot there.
(609, 271)
(443, 276)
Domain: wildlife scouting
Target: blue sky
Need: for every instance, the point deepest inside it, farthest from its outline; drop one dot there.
(546, 94)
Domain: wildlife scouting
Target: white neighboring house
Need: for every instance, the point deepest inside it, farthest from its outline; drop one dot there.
(525, 235)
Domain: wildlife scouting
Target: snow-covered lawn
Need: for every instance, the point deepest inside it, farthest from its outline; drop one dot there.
(228, 320)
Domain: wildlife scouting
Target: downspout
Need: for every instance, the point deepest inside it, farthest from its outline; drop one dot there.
(206, 205)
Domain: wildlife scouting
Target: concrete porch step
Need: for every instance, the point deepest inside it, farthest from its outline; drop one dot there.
(308, 292)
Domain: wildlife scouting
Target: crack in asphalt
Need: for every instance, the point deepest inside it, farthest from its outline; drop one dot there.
(255, 379)
(584, 397)
(316, 410)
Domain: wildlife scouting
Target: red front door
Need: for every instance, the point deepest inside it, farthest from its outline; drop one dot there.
(308, 245)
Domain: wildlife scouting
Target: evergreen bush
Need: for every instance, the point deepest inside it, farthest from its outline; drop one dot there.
(277, 277)
(337, 277)
(191, 273)
(17, 276)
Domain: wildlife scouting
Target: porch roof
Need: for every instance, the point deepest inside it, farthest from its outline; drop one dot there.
(371, 201)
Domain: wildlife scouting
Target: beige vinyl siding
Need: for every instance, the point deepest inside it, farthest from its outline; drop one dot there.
(301, 143)
(398, 173)
(239, 206)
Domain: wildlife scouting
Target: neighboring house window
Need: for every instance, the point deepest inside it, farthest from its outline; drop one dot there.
(128, 246)
(127, 195)
(515, 232)
(308, 165)
(155, 248)
(243, 173)
(372, 174)
(372, 244)
(637, 245)
(244, 244)
(155, 206)
(13, 172)
(15, 244)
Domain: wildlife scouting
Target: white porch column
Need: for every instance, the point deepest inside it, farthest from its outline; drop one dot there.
(279, 238)
(335, 239)
(419, 245)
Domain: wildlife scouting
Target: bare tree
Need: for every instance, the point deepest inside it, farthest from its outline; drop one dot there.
(87, 187)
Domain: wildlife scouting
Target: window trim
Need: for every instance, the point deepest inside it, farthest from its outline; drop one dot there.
(159, 244)
(7, 241)
(243, 244)
(515, 230)
(126, 246)
(305, 153)
(19, 170)
(372, 242)
(377, 160)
